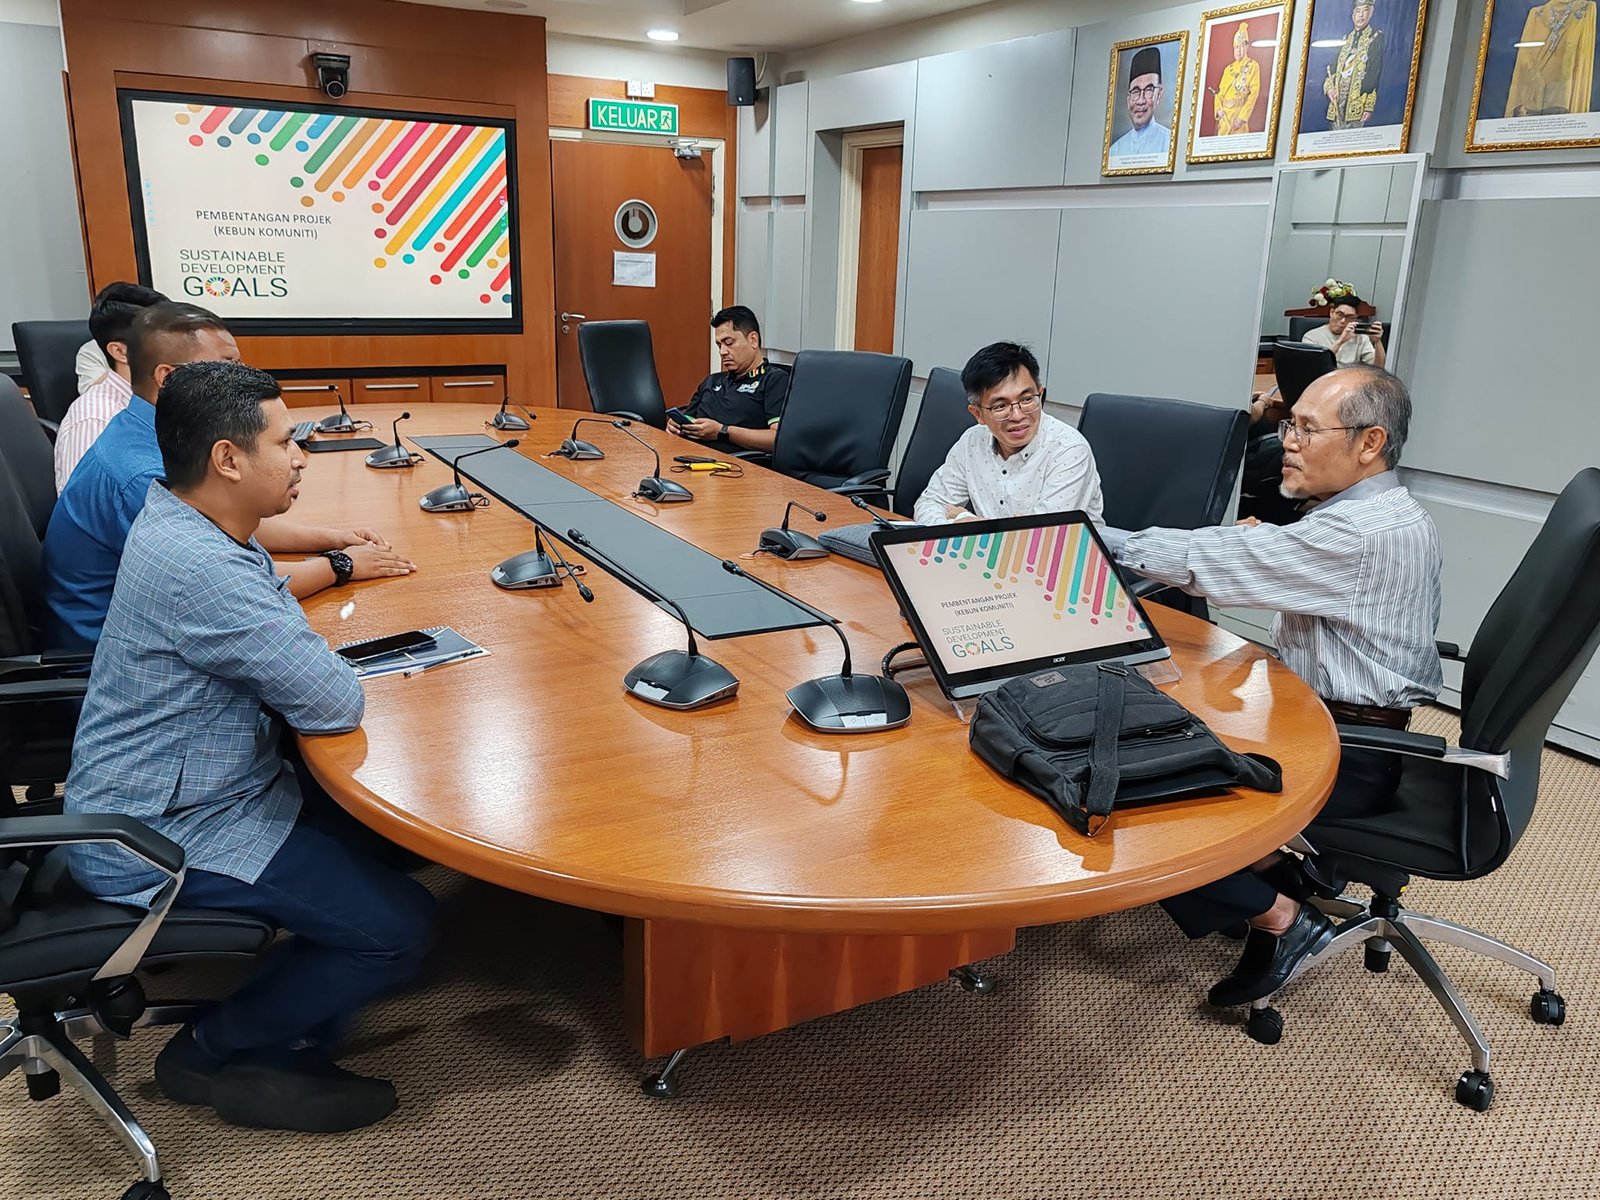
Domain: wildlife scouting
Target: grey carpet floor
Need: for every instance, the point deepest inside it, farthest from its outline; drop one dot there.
(1095, 1071)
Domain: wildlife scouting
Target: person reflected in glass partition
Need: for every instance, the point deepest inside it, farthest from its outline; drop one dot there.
(1353, 339)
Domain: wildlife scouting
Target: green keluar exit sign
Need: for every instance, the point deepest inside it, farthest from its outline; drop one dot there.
(633, 116)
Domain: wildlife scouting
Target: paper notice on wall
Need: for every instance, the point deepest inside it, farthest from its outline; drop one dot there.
(629, 269)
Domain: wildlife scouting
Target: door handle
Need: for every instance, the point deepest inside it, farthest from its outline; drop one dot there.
(566, 316)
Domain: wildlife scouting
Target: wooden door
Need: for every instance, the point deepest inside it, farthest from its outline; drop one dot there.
(879, 260)
(590, 182)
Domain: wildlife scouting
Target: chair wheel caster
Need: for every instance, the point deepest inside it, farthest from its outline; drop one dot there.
(1476, 1090)
(662, 1087)
(147, 1189)
(973, 981)
(1547, 1008)
(44, 1085)
(1377, 961)
(1264, 1025)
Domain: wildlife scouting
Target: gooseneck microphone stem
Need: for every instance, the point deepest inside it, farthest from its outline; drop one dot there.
(734, 568)
(867, 508)
(405, 416)
(539, 545)
(794, 504)
(623, 425)
(506, 445)
(577, 538)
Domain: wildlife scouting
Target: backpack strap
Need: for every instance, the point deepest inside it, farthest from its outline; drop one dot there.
(1105, 768)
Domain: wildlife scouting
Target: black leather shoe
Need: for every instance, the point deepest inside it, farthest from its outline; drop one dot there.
(184, 1071)
(300, 1090)
(1268, 961)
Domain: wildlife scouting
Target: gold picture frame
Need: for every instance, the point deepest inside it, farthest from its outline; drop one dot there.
(1367, 141)
(1248, 144)
(1521, 136)
(1180, 39)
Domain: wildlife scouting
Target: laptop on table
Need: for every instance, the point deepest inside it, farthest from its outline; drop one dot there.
(992, 600)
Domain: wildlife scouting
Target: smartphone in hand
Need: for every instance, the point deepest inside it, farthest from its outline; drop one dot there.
(678, 417)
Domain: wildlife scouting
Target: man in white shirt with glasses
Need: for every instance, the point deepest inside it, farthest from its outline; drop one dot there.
(1017, 461)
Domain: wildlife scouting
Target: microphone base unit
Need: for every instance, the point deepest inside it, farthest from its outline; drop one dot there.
(851, 703)
(679, 680)
(580, 451)
(339, 422)
(451, 497)
(791, 544)
(663, 491)
(530, 569)
(505, 420)
(392, 456)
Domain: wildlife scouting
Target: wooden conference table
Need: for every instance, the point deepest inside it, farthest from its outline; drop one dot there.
(774, 873)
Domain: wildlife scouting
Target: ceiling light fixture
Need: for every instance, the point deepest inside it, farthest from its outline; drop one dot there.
(868, 1)
(662, 35)
(513, 4)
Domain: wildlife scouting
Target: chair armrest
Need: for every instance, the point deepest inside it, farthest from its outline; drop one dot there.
(1451, 651)
(862, 489)
(39, 691)
(51, 428)
(622, 412)
(1143, 586)
(53, 676)
(873, 480)
(133, 835)
(1394, 741)
(760, 457)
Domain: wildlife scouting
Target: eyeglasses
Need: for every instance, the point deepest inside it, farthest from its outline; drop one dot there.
(1304, 433)
(1022, 404)
(1147, 92)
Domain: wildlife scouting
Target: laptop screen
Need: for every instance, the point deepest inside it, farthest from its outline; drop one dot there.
(990, 600)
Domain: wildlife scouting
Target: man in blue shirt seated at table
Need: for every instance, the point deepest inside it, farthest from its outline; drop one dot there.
(202, 647)
(107, 489)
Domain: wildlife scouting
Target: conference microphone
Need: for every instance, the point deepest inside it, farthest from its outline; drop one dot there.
(537, 568)
(652, 486)
(842, 703)
(674, 678)
(784, 542)
(454, 497)
(395, 455)
(508, 420)
(582, 451)
(341, 421)
(867, 508)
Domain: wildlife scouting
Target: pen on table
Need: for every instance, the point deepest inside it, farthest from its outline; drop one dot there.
(430, 666)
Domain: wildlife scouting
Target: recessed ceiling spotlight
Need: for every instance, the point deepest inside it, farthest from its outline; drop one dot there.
(662, 35)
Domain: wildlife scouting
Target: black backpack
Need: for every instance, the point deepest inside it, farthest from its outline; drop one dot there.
(1085, 738)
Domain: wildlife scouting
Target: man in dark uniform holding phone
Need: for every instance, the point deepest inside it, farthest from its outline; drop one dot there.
(738, 407)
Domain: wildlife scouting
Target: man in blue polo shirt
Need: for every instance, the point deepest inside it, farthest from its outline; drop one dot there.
(83, 546)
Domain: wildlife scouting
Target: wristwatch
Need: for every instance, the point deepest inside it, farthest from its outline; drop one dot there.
(724, 434)
(343, 566)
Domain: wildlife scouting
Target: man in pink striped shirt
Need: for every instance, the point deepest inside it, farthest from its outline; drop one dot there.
(114, 310)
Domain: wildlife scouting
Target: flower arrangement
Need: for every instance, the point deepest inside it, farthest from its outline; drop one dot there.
(1330, 293)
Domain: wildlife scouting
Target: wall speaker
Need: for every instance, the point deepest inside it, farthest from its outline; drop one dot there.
(742, 81)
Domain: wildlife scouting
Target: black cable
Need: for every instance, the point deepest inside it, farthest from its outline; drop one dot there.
(890, 670)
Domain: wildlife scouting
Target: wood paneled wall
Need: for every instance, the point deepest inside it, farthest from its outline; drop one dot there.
(407, 56)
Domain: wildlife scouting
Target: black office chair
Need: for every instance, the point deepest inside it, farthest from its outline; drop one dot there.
(1167, 463)
(841, 419)
(1299, 364)
(40, 694)
(48, 352)
(1300, 326)
(67, 960)
(27, 450)
(619, 367)
(941, 420)
(1460, 810)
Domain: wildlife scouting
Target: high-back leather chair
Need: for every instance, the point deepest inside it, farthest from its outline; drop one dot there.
(1300, 326)
(68, 962)
(48, 352)
(1461, 810)
(30, 455)
(1171, 463)
(842, 416)
(619, 367)
(941, 420)
(1297, 365)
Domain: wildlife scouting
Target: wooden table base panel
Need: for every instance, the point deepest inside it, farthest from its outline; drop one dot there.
(686, 984)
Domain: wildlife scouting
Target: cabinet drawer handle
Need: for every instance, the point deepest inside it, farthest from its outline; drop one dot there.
(472, 383)
(309, 387)
(392, 387)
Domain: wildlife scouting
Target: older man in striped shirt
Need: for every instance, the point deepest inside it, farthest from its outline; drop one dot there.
(1356, 588)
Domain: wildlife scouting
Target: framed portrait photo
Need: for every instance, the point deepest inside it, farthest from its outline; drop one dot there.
(1142, 105)
(1535, 86)
(1358, 77)
(1238, 86)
